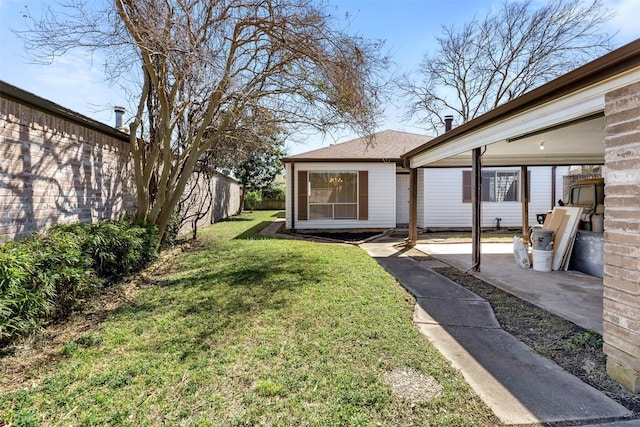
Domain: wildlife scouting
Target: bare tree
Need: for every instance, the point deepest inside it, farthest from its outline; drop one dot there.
(197, 202)
(490, 61)
(212, 68)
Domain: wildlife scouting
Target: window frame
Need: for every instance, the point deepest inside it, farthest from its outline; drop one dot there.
(466, 185)
(333, 205)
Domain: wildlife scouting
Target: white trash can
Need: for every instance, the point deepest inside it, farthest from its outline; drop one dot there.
(542, 260)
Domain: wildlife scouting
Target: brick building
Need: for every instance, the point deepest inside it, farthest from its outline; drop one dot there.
(58, 166)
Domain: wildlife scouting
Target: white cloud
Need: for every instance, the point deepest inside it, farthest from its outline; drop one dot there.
(625, 20)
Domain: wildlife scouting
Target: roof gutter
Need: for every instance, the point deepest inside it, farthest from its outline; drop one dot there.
(341, 160)
(21, 96)
(616, 62)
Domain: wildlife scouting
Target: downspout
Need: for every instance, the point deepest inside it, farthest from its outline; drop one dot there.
(293, 195)
(524, 191)
(413, 206)
(553, 186)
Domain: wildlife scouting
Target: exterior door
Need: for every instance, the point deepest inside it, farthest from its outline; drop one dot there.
(402, 199)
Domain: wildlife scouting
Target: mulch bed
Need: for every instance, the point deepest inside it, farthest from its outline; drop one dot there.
(346, 237)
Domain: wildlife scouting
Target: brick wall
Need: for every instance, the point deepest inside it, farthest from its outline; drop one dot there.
(55, 170)
(58, 166)
(622, 236)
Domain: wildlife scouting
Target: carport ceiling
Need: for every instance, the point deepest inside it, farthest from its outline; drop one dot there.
(576, 143)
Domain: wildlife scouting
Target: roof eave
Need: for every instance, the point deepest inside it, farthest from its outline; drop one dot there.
(340, 160)
(14, 93)
(618, 61)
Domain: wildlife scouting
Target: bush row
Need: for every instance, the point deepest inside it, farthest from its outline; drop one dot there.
(45, 276)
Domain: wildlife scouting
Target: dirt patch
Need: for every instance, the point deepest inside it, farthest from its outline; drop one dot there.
(408, 384)
(577, 350)
(343, 237)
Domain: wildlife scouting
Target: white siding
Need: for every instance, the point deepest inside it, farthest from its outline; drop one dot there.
(287, 183)
(540, 196)
(443, 199)
(444, 206)
(382, 196)
(421, 198)
(402, 198)
(561, 172)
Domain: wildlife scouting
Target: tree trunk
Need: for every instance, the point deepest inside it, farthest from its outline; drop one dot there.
(242, 196)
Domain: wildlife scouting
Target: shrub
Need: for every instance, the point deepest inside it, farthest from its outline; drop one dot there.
(274, 192)
(254, 198)
(117, 248)
(173, 228)
(25, 303)
(47, 275)
(42, 277)
(61, 261)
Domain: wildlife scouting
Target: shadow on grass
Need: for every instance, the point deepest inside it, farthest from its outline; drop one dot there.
(218, 300)
(241, 290)
(135, 307)
(254, 232)
(280, 214)
(237, 219)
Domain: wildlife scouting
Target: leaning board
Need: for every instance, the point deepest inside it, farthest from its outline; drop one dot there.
(553, 222)
(565, 236)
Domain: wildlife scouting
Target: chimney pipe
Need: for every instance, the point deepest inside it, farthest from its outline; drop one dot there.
(119, 113)
(448, 123)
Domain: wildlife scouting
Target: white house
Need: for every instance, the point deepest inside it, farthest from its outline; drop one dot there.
(357, 185)
(444, 196)
(362, 185)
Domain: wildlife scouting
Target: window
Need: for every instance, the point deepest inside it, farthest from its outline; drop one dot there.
(500, 186)
(497, 186)
(333, 195)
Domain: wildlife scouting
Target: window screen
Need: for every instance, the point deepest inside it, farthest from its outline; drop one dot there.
(333, 195)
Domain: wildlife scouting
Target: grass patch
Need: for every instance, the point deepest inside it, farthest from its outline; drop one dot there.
(246, 330)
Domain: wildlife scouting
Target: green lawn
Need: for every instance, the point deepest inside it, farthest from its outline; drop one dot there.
(246, 331)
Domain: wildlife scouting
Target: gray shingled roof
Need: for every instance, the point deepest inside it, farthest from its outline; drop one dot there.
(387, 145)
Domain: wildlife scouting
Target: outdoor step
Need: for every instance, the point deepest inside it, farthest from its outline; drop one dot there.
(471, 313)
(423, 282)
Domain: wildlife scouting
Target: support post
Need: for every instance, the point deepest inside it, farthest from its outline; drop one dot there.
(476, 202)
(293, 195)
(553, 186)
(413, 206)
(524, 190)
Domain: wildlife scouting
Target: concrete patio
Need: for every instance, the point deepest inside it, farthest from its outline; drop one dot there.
(570, 294)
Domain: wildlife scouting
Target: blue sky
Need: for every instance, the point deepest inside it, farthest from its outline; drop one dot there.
(409, 27)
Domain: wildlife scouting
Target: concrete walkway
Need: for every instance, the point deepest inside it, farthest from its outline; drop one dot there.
(272, 229)
(572, 295)
(520, 386)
